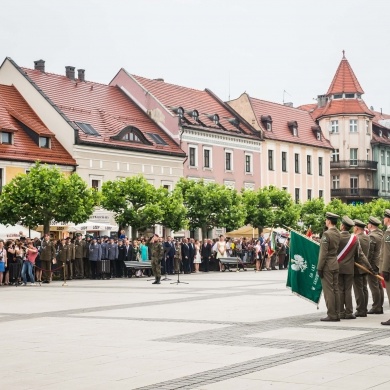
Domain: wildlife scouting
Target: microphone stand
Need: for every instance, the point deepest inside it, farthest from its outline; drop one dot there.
(178, 277)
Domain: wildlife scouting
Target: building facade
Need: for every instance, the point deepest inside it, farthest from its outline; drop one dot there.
(296, 154)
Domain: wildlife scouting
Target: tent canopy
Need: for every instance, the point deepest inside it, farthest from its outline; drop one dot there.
(13, 232)
(246, 231)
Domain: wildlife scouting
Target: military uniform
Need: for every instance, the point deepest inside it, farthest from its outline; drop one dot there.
(384, 262)
(48, 253)
(360, 276)
(157, 251)
(376, 237)
(177, 258)
(80, 253)
(328, 267)
(346, 269)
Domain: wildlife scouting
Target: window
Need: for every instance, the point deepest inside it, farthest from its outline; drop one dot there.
(388, 183)
(1, 179)
(157, 139)
(368, 155)
(284, 161)
(321, 194)
(228, 161)
(318, 136)
(308, 194)
(269, 126)
(270, 160)
(248, 163)
(309, 165)
(192, 156)
(353, 152)
(354, 184)
(6, 138)
(338, 96)
(334, 126)
(383, 183)
(349, 95)
(131, 136)
(320, 167)
(382, 157)
(207, 159)
(353, 125)
(336, 182)
(295, 131)
(95, 184)
(296, 159)
(44, 142)
(296, 195)
(87, 128)
(368, 127)
(388, 157)
(335, 155)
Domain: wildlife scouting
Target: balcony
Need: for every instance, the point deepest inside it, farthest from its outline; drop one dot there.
(354, 193)
(354, 164)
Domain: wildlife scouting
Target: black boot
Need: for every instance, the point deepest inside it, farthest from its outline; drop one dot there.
(155, 280)
(158, 280)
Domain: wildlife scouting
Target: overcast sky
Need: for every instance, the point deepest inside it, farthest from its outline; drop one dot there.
(262, 47)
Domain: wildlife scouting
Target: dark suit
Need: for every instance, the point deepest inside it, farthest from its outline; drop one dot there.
(169, 252)
(128, 256)
(191, 256)
(185, 255)
(205, 254)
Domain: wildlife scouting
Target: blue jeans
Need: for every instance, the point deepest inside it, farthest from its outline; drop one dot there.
(27, 267)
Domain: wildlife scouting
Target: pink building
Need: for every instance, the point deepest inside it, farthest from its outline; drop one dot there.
(221, 145)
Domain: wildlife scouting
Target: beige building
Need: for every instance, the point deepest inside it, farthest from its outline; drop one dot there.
(296, 154)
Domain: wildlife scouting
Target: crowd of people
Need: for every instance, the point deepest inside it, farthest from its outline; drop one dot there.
(27, 260)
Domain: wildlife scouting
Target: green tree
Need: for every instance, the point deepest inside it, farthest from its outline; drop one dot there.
(258, 208)
(211, 205)
(285, 211)
(336, 206)
(135, 202)
(174, 212)
(313, 214)
(45, 194)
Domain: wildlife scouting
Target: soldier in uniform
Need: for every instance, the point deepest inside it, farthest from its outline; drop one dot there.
(377, 293)
(328, 267)
(360, 276)
(71, 257)
(177, 257)
(348, 252)
(47, 256)
(80, 253)
(157, 251)
(384, 263)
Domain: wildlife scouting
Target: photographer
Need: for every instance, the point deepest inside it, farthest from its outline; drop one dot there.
(28, 264)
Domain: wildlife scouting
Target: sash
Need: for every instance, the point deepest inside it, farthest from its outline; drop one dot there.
(342, 255)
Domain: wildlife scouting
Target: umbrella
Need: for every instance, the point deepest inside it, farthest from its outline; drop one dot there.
(95, 226)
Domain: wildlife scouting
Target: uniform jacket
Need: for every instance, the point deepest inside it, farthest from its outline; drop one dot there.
(157, 251)
(71, 251)
(327, 258)
(178, 252)
(346, 266)
(104, 250)
(112, 251)
(80, 249)
(95, 252)
(48, 251)
(376, 237)
(364, 242)
(384, 263)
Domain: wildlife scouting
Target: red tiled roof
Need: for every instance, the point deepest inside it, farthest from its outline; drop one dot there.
(174, 96)
(379, 116)
(14, 111)
(104, 107)
(344, 80)
(281, 115)
(343, 106)
(308, 107)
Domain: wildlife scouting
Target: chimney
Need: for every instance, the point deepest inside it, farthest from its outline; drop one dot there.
(321, 100)
(81, 74)
(288, 104)
(159, 79)
(39, 65)
(70, 72)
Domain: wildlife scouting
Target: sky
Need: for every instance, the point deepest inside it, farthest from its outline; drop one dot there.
(262, 47)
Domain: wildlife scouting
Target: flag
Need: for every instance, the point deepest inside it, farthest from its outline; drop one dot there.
(309, 233)
(302, 275)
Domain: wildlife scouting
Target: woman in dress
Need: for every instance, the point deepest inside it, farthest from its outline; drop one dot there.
(197, 259)
(144, 251)
(257, 254)
(3, 261)
(221, 251)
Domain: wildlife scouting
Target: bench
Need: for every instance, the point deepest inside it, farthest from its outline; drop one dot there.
(232, 262)
(133, 266)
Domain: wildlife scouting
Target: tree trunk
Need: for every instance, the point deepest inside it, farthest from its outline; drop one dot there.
(46, 226)
(204, 232)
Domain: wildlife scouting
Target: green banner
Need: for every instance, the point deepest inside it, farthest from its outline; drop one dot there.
(302, 275)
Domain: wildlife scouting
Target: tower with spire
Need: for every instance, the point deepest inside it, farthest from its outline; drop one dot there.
(343, 114)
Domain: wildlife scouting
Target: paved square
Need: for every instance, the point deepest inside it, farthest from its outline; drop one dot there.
(221, 331)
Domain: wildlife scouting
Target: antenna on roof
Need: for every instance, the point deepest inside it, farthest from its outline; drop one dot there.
(343, 54)
(284, 92)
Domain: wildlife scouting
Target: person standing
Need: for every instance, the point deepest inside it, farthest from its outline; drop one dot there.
(157, 251)
(177, 257)
(205, 254)
(221, 251)
(191, 256)
(119, 269)
(70, 257)
(144, 250)
(376, 237)
(360, 276)
(185, 253)
(3, 261)
(384, 261)
(112, 255)
(169, 249)
(80, 250)
(197, 259)
(47, 256)
(95, 255)
(328, 267)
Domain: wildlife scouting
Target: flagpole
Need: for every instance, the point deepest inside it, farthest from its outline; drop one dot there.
(366, 270)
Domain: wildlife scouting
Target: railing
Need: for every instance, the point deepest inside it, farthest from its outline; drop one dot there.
(354, 192)
(354, 164)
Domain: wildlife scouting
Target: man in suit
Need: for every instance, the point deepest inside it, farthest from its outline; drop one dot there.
(191, 248)
(169, 253)
(384, 263)
(328, 267)
(360, 276)
(348, 252)
(376, 237)
(185, 253)
(128, 255)
(119, 268)
(205, 254)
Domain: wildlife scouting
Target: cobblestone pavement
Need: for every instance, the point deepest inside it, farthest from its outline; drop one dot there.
(231, 330)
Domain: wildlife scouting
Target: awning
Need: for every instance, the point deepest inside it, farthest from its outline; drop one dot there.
(93, 226)
(13, 232)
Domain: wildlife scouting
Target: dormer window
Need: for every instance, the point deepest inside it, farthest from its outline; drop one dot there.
(380, 133)
(318, 136)
(266, 120)
(349, 95)
(317, 131)
(293, 126)
(338, 96)
(195, 115)
(44, 142)
(216, 119)
(179, 111)
(132, 134)
(6, 138)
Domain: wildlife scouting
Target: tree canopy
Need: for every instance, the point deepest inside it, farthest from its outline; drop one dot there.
(45, 194)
